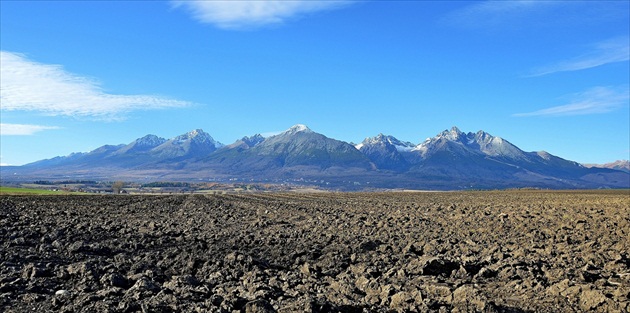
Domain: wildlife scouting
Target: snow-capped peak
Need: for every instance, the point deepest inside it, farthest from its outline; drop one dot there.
(453, 134)
(544, 154)
(382, 139)
(149, 141)
(298, 128)
(480, 142)
(196, 132)
(197, 135)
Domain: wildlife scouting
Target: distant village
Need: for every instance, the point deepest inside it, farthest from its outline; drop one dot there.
(120, 187)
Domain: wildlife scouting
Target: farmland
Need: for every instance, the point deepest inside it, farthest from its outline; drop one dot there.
(493, 251)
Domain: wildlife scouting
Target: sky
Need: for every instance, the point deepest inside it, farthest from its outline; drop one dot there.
(544, 75)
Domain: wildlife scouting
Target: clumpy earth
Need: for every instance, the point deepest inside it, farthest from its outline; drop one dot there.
(517, 251)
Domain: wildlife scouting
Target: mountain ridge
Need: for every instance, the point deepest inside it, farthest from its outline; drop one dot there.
(621, 165)
(452, 159)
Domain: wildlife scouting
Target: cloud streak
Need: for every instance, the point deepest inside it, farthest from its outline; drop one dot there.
(526, 15)
(22, 129)
(596, 100)
(609, 51)
(235, 14)
(30, 86)
(499, 13)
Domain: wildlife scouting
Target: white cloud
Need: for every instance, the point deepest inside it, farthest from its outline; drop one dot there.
(501, 16)
(592, 101)
(236, 14)
(499, 13)
(22, 129)
(30, 86)
(609, 51)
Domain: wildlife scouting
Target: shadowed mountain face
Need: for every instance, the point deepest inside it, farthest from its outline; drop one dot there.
(196, 143)
(450, 160)
(387, 152)
(480, 155)
(143, 144)
(297, 149)
(301, 146)
(140, 152)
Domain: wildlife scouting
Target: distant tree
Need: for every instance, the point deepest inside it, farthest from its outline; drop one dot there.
(117, 186)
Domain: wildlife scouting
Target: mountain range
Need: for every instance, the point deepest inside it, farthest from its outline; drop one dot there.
(450, 160)
(622, 165)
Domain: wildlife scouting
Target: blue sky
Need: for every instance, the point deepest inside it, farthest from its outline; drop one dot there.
(544, 75)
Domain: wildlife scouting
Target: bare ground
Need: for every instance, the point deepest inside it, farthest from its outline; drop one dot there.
(525, 251)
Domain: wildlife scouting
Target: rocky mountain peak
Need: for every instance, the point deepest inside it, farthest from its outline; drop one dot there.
(378, 139)
(149, 141)
(544, 154)
(196, 133)
(197, 136)
(253, 140)
(621, 165)
(385, 140)
(476, 143)
(297, 128)
(453, 134)
(141, 144)
(450, 159)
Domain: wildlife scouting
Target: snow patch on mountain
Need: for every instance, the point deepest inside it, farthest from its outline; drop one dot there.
(149, 141)
(198, 136)
(299, 128)
(479, 142)
(381, 139)
(620, 165)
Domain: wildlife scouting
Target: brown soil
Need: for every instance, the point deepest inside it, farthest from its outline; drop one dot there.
(333, 252)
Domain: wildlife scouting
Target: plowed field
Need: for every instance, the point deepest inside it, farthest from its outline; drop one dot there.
(520, 251)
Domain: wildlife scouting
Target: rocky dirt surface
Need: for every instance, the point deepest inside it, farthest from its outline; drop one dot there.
(525, 251)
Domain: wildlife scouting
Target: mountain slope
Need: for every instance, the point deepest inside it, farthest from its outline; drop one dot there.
(386, 152)
(196, 143)
(482, 160)
(450, 160)
(297, 147)
(480, 143)
(620, 165)
(143, 144)
(301, 146)
(145, 152)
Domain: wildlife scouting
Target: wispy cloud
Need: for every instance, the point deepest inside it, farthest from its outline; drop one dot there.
(235, 14)
(501, 16)
(498, 13)
(596, 100)
(605, 52)
(22, 129)
(30, 86)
